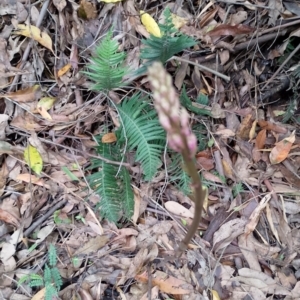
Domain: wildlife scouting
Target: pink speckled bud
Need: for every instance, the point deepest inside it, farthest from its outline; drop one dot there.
(192, 144)
(165, 122)
(173, 120)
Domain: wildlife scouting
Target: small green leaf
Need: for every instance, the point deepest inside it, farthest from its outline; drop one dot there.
(210, 143)
(70, 174)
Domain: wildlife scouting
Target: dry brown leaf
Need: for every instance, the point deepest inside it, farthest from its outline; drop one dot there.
(212, 177)
(64, 70)
(29, 178)
(87, 10)
(245, 127)
(271, 126)
(261, 281)
(248, 250)
(93, 245)
(207, 17)
(271, 223)
(26, 122)
(8, 218)
(35, 33)
(225, 30)
(154, 294)
(27, 95)
(137, 205)
(178, 209)
(204, 163)
(225, 133)
(254, 218)
(109, 138)
(60, 4)
(227, 233)
(261, 139)
(166, 284)
(282, 149)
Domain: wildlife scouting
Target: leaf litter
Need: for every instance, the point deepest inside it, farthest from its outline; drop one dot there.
(247, 244)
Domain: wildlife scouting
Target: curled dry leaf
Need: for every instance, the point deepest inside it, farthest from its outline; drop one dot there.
(271, 126)
(178, 209)
(261, 281)
(225, 29)
(64, 70)
(109, 138)
(167, 284)
(35, 33)
(228, 232)
(282, 149)
(261, 139)
(254, 218)
(8, 218)
(26, 95)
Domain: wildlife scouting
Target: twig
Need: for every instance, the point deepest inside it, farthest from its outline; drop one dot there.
(44, 217)
(203, 68)
(282, 66)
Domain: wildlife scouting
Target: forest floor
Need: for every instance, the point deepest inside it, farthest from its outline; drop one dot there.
(243, 71)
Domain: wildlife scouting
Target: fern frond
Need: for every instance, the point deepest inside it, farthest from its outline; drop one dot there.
(114, 189)
(52, 255)
(290, 111)
(107, 69)
(36, 283)
(127, 193)
(23, 279)
(178, 176)
(50, 292)
(143, 133)
(47, 275)
(56, 277)
(164, 47)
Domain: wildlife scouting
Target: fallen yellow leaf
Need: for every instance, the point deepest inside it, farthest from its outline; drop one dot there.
(39, 295)
(63, 70)
(43, 112)
(33, 159)
(215, 295)
(150, 24)
(177, 21)
(35, 33)
(109, 138)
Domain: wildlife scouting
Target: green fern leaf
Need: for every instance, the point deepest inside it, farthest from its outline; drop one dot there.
(56, 277)
(47, 275)
(106, 184)
(127, 193)
(178, 176)
(50, 292)
(143, 132)
(52, 255)
(106, 69)
(164, 47)
(23, 279)
(35, 283)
